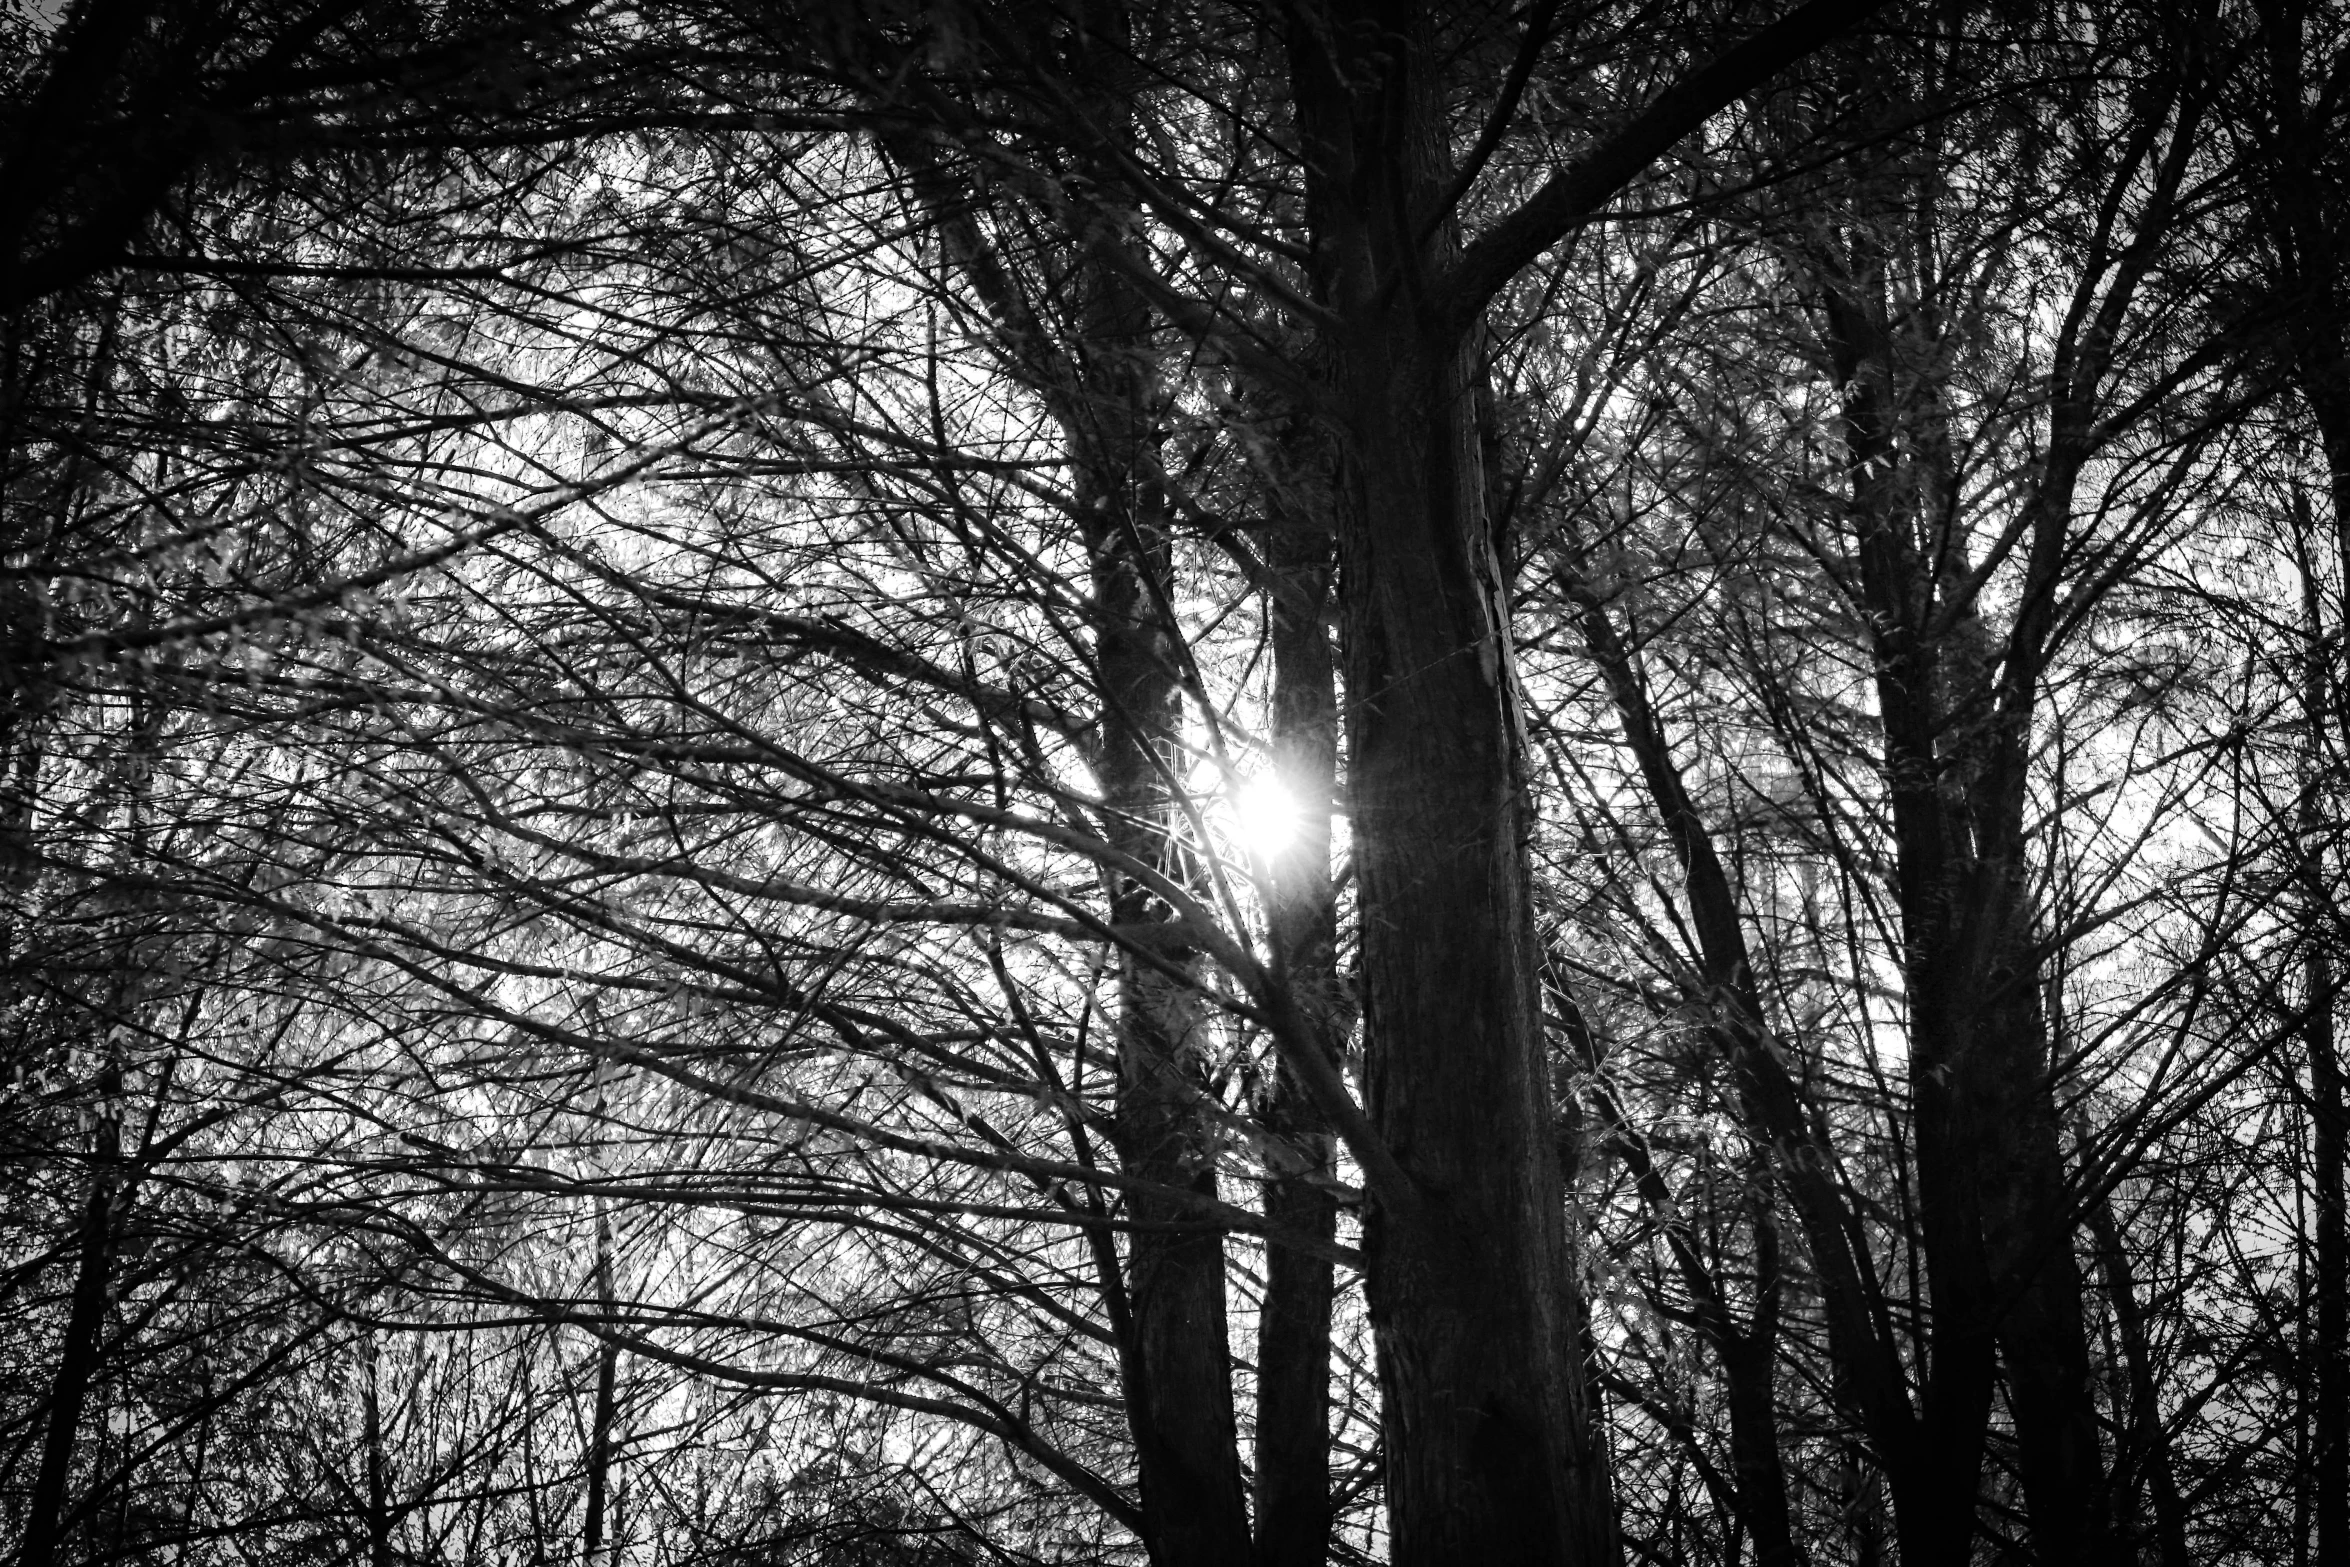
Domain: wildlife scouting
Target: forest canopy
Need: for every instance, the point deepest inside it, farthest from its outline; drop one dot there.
(1079, 781)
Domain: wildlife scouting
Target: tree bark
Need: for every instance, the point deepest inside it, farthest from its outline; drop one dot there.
(78, 1351)
(1491, 1447)
(2308, 225)
(379, 1467)
(2042, 1323)
(1180, 1390)
(1749, 1355)
(1293, 1502)
(2330, 1428)
(2147, 1455)
(599, 1453)
(1992, 1188)
(2328, 1456)
(1169, 1310)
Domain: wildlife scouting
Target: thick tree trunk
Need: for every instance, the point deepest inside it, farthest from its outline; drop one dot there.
(1491, 1450)
(1489, 1443)
(1955, 1134)
(1293, 1503)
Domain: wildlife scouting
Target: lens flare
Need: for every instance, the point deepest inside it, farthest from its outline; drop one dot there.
(1264, 817)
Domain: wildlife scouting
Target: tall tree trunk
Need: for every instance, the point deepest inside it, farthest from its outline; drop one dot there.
(1992, 1189)
(1748, 1355)
(1490, 1454)
(2308, 213)
(85, 1322)
(2042, 1325)
(1293, 1503)
(2147, 1454)
(379, 1467)
(1169, 1310)
(2328, 1456)
(1935, 1487)
(1179, 1387)
(1490, 1441)
(599, 1453)
(1750, 1362)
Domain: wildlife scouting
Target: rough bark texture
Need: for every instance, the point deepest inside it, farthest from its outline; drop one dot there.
(1293, 1503)
(1490, 1449)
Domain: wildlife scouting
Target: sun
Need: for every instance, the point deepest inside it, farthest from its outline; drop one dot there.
(1264, 817)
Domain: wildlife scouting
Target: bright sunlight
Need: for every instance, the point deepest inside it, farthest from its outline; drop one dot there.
(1264, 817)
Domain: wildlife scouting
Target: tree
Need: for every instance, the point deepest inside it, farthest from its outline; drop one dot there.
(1108, 783)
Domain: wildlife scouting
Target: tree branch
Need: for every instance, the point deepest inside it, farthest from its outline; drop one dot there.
(1575, 193)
